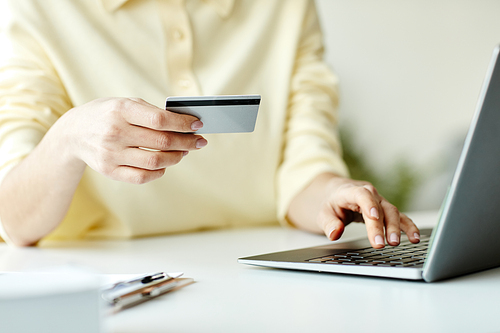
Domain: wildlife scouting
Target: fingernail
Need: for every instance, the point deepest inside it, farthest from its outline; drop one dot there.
(330, 234)
(200, 143)
(379, 240)
(394, 238)
(416, 235)
(184, 153)
(196, 125)
(374, 212)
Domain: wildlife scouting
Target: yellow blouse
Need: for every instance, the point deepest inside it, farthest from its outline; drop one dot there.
(55, 55)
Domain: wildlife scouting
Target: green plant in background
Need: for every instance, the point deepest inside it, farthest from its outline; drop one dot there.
(396, 185)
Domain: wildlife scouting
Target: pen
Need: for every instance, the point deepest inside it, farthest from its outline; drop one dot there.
(153, 277)
(143, 294)
(112, 293)
(142, 278)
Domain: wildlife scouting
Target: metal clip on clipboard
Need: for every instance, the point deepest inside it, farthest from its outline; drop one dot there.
(126, 294)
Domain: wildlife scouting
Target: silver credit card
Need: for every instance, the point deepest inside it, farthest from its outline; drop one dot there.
(219, 114)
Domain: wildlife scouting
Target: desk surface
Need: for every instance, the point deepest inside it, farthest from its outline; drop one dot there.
(231, 297)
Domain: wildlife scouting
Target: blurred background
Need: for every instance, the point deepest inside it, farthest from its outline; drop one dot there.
(410, 75)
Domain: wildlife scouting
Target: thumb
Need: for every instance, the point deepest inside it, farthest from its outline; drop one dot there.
(331, 225)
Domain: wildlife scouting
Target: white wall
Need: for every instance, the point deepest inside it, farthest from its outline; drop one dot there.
(410, 72)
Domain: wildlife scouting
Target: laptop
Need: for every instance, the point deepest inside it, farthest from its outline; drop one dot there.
(466, 238)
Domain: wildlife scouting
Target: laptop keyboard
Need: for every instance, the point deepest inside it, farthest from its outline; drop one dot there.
(406, 254)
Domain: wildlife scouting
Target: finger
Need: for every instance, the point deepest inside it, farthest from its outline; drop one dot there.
(150, 160)
(361, 199)
(410, 229)
(331, 225)
(146, 115)
(392, 220)
(373, 190)
(375, 231)
(141, 101)
(135, 175)
(163, 140)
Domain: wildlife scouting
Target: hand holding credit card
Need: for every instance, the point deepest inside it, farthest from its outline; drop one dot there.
(219, 114)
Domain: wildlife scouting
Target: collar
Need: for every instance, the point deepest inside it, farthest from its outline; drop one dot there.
(222, 7)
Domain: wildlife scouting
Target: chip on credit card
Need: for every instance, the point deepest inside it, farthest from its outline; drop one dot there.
(219, 114)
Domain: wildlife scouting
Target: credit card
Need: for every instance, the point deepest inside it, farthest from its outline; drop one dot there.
(219, 114)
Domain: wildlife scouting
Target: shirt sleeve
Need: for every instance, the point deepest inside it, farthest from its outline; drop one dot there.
(312, 144)
(32, 96)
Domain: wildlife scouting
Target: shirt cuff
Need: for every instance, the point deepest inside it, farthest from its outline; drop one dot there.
(297, 180)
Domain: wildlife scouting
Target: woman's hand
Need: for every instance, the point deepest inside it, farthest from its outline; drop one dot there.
(356, 201)
(109, 135)
(332, 202)
(128, 140)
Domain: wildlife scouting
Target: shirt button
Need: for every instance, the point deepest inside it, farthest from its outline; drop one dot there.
(184, 83)
(178, 34)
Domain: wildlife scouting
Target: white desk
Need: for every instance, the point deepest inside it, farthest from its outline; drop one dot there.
(231, 297)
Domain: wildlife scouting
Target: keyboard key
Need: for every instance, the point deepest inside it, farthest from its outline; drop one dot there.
(419, 257)
(404, 256)
(333, 262)
(403, 261)
(378, 257)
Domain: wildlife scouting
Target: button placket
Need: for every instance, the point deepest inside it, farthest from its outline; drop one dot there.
(179, 48)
